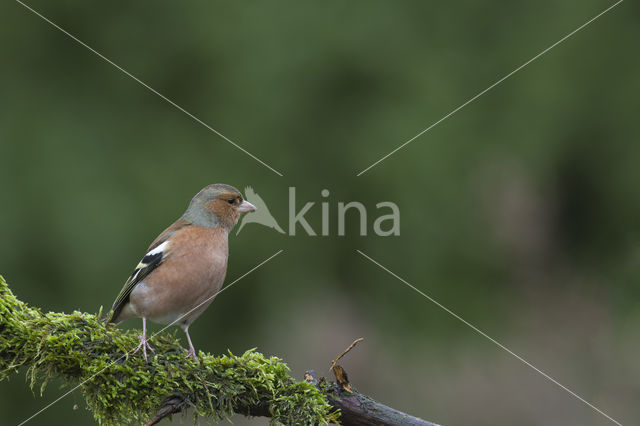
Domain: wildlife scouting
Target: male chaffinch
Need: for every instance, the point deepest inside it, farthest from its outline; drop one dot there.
(184, 267)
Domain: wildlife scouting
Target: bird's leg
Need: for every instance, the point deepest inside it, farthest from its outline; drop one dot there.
(144, 343)
(192, 350)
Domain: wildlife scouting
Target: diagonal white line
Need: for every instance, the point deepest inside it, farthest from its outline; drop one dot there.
(494, 341)
(226, 287)
(146, 86)
(491, 87)
(155, 334)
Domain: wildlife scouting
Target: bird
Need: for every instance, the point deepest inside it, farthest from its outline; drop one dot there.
(184, 267)
(264, 216)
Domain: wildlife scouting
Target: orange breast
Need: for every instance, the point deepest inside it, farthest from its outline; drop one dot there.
(187, 280)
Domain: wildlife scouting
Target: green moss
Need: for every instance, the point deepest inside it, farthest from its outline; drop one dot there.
(121, 388)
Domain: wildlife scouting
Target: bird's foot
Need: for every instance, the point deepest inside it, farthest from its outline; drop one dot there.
(144, 344)
(192, 353)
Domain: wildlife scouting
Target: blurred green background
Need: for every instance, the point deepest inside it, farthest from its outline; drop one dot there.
(520, 212)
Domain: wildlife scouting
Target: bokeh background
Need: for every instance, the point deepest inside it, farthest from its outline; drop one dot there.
(520, 212)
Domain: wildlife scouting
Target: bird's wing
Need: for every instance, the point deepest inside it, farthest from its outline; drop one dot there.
(172, 229)
(158, 251)
(263, 211)
(258, 201)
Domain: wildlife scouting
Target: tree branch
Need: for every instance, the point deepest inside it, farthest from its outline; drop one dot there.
(171, 406)
(122, 388)
(360, 410)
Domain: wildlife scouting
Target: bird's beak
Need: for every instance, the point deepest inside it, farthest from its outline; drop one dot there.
(246, 207)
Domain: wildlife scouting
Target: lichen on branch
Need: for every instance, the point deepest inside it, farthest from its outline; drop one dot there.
(120, 388)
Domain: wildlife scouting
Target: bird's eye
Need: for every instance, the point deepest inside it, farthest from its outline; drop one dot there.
(230, 200)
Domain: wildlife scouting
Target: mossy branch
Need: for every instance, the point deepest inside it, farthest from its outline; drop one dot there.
(120, 388)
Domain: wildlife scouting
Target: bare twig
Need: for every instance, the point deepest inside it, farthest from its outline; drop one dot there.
(339, 372)
(351, 346)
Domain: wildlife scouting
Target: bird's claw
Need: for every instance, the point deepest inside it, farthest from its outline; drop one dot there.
(144, 344)
(191, 353)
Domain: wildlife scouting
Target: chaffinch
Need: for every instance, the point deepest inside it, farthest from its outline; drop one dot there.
(184, 267)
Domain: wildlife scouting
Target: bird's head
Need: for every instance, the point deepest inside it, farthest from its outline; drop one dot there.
(217, 205)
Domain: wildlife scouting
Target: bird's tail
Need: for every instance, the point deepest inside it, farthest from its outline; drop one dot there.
(277, 227)
(240, 227)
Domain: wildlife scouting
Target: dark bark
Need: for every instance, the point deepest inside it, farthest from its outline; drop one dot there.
(360, 410)
(176, 404)
(171, 406)
(355, 408)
